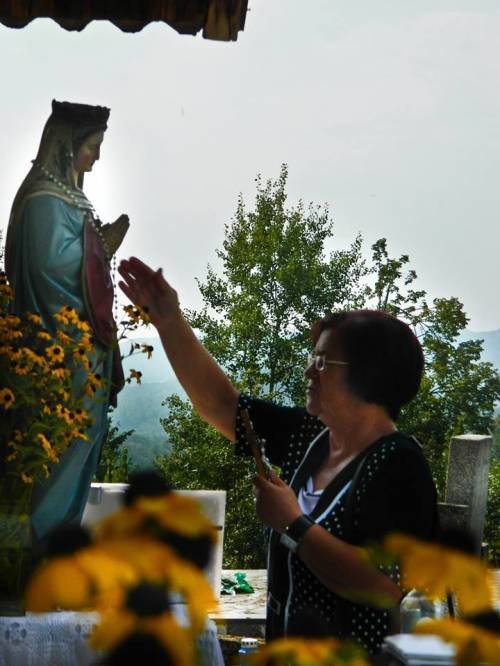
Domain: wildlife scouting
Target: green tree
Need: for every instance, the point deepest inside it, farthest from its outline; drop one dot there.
(115, 462)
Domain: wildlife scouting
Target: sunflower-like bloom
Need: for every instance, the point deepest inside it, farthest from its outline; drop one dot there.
(34, 318)
(136, 374)
(63, 337)
(148, 350)
(136, 314)
(119, 624)
(60, 583)
(436, 571)
(303, 652)
(78, 581)
(172, 512)
(157, 563)
(48, 448)
(178, 513)
(55, 353)
(474, 645)
(7, 398)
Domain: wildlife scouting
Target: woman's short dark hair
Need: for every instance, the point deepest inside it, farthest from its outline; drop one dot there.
(384, 355)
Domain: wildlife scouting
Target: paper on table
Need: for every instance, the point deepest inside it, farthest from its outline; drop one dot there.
(420, 650)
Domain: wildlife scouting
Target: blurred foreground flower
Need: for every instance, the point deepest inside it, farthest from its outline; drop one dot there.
(474, 644)
(305, 652)
(158, 564)
(145, 613)
(171, 518)
(77, 575)
(436, 571)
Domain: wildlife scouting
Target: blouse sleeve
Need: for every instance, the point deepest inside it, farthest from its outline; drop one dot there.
(275, 424)
(395, 493)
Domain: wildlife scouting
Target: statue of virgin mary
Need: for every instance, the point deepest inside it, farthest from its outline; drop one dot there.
(58, 253)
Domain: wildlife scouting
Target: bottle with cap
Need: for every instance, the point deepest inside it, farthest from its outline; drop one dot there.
(248, 646)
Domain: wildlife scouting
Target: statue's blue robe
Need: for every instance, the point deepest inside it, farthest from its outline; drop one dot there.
(46, 269)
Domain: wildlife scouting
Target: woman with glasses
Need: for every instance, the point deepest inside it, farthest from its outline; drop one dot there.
(348, 476)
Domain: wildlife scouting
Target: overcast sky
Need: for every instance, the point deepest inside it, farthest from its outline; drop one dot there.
(387, 111)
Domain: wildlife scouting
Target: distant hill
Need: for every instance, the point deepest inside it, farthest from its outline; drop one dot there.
(140, 405)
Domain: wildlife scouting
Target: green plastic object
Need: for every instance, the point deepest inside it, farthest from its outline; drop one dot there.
(236, 585)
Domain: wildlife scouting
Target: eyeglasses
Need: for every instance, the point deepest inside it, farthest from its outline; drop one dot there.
(320, 362)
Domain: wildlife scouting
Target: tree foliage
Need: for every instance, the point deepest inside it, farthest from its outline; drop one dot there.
(276, 279)
(114, 463)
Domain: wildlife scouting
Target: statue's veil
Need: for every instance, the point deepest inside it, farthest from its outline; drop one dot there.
(65, 130)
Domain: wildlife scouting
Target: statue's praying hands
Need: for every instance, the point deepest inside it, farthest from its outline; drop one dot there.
(114, 233)
(149, 290)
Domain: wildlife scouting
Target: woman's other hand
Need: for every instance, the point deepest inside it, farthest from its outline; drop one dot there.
(149, 290)
(275, 503)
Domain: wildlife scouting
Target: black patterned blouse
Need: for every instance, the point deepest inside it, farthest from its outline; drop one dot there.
(392, 491)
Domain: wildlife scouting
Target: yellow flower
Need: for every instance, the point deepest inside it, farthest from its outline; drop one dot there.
(148, 350)
(118, 624)
(60, 373)
(80, 415)
(55, 353)
(86, 343)
(18, 436)
(78, 581)
(474, 644)
(84, 326)
(7, 398)
(43, 335)
(26, 478)
(60, 583)
(158, 563)
(33, 357)
(13, 320)
(69, 417)
(108, 574)
(61, 318)
(63, 337)
(12, 456)
(48, 448)
(95, 379)
(46, 470)
(78, 434)
(23, 368)
(34, 318)
(436, 570)
(136, 374)
(136, 314)
(178, 513)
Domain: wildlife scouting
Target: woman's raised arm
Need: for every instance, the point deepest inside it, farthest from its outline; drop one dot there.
(208, 387)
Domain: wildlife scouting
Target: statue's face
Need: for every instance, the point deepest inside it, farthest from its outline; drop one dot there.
(89, 152)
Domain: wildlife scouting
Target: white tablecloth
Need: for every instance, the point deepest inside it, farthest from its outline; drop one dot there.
(60, 639)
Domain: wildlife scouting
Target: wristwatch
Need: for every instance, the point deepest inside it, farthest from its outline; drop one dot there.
(294, 533)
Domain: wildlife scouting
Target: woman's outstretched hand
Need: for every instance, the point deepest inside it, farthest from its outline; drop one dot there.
(149, 290)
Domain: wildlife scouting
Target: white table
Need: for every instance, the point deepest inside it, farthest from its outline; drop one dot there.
(60, 639)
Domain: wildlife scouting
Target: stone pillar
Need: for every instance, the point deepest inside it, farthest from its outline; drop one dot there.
(467, 482)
